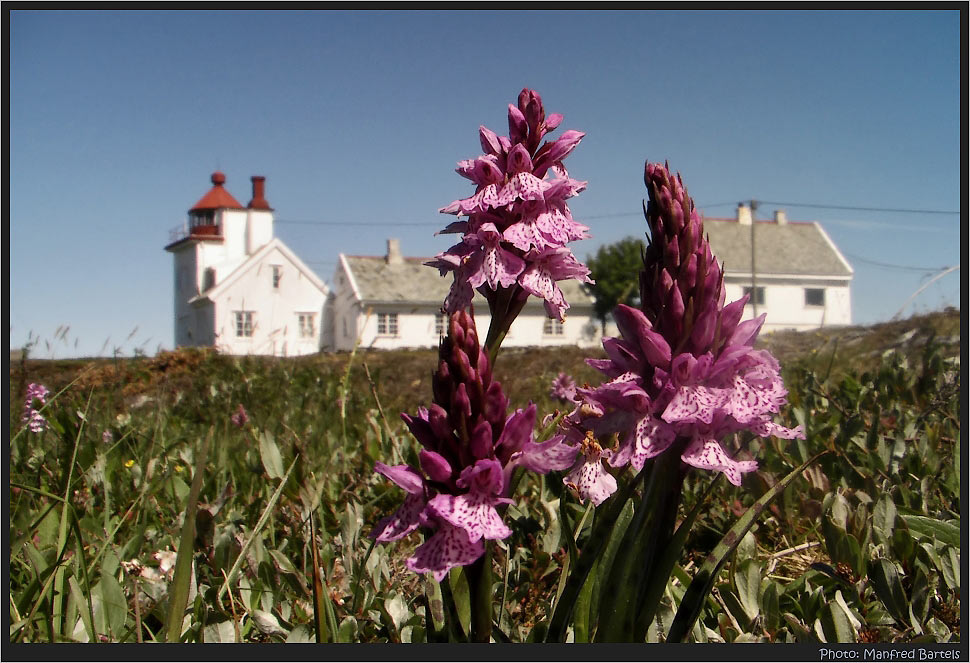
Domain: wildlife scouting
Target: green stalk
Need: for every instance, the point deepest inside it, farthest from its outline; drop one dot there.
(479, 575)
(660, 576)
(59, 576)
(640, 550)
(599, 537)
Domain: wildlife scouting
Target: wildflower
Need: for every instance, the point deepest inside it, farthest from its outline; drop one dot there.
(563, 388)
(130, 463)
(32, 417)
(470, 449)
(107, 437)
(517, 222)
(683, 373)
(239, 418)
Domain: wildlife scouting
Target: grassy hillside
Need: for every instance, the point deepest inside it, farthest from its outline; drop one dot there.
(863, 547)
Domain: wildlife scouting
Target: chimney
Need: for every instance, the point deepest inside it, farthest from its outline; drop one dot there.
(744, 214)
(780, 217)
(258, 201)
(393, 256)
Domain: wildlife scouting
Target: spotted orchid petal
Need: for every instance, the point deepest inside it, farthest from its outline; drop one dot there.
(590, 479)
(448, 548)
(707, 454)
(402, 522)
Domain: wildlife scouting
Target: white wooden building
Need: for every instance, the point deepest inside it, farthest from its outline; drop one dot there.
(237, 287)
(392, 301)
(801, 279)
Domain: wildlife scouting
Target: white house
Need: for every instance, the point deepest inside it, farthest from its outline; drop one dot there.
(237, 287)
(800, 278)
(395, 302)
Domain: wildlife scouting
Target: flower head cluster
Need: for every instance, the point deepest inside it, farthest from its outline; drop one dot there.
(518, 223)
(32, 417)
(684, 369)
(563, 388)
(470, 449)
(239, 418)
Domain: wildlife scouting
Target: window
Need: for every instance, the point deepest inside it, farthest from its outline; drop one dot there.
(306, 325)
(208, 278)
(387, 324)
(814, 296)
(244, 323)
(277, 274)
(758, 298)
(440, 324)
(552, 327)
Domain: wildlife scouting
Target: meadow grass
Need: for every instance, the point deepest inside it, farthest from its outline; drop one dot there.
(144, 513)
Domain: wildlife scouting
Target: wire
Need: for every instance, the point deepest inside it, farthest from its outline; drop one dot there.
(891, 266)
(628, 214)
(863, 209)
(361, 223)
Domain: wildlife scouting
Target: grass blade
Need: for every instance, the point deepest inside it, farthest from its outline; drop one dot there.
(179, 596)
(319, 618)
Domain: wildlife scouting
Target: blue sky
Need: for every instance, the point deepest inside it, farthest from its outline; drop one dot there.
(117, 120)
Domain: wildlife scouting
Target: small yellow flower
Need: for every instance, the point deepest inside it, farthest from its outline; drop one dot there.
(129, 463)
(179, 468)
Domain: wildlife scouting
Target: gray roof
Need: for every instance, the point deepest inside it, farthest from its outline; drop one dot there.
(798, 248)
(414, 282)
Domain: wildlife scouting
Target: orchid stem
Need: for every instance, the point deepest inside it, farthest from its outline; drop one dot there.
(480, 589)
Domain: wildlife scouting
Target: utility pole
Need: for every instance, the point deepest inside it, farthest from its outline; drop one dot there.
(754, 280)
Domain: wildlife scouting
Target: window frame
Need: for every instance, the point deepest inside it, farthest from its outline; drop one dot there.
(245, 322)
(759, 295)
(307, 330)
(277, 275)
(553, 327)
(388, 324)
(821, 292)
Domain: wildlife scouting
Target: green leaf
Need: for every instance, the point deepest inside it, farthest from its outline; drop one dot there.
(889, 589)
(942, 531)
(700, 586)
(397, 610)
(769, 604)
(884, 516)
(269, 453)
(581, 615)
(347, 632)
(460, 595)
(733, 604)
(950, 567)
(113, 603)
(748, 580)
(220, 632)
(84, 604)
(835, 624)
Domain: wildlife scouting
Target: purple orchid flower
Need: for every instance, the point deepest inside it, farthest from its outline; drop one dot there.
(471, 447)
(518, 222)
(683, 371)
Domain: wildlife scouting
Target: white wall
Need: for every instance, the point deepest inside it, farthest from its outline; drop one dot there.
(416, 327)
(785, 302)
(276, 328)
